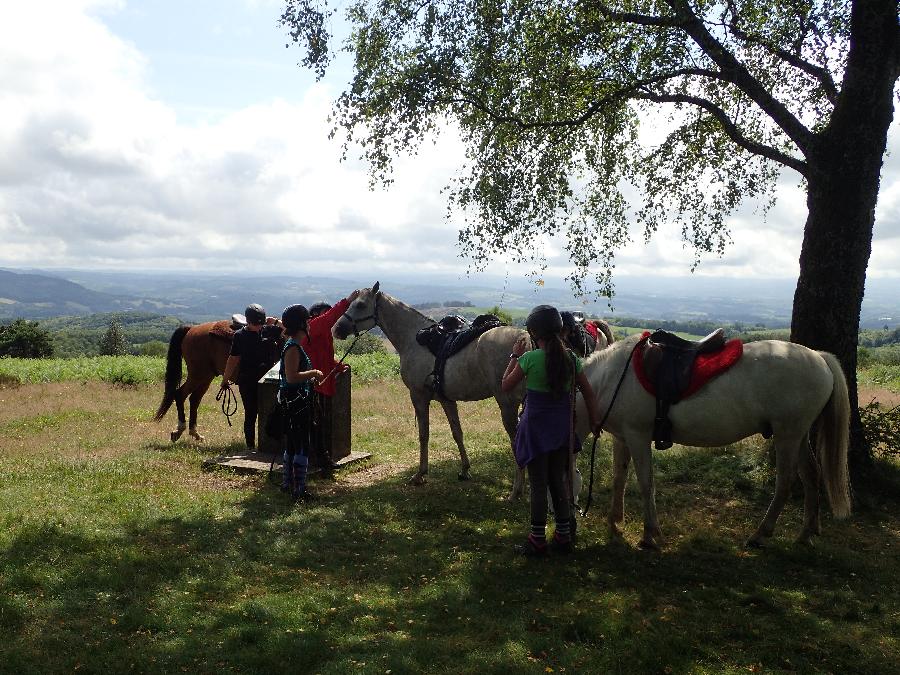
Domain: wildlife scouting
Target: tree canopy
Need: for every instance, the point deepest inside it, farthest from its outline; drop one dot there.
(550, 98)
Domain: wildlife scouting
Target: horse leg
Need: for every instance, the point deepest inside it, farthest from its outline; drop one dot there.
(621, 460)
(451, 410)
(809, 476)
(643, 467)
(421, 405)
(180, 394)
(786, 459)
(196, 395)
(510, 417)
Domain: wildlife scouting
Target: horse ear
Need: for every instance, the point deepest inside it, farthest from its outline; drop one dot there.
(375, 287)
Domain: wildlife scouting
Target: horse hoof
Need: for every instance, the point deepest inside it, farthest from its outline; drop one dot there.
(175, 435)
(648, 545)
(198, 438)
(614, 531)
(756, 543)
(464, 475)
(417, 479)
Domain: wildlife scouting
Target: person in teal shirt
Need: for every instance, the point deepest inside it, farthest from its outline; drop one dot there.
(296, 378)
(546, 429)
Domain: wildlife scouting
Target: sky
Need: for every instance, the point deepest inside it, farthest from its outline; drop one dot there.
(182, 135)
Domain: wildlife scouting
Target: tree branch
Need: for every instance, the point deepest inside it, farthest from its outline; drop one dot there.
(821, 74)
(730, 128)
(736, 73)
(632, 17)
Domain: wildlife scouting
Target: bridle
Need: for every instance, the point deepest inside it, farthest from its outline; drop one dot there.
(355, 322)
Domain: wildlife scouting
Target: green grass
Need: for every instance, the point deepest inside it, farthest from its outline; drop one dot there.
(120, 553)
(127, 370)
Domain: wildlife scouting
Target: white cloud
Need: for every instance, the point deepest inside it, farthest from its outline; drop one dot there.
(97, 171)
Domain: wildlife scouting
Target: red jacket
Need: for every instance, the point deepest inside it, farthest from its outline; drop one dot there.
(319, 345)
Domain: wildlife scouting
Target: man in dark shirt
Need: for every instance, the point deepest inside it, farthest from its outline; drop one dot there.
(250, 358)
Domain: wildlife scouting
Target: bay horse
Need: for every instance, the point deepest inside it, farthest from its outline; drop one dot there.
(473, 374)
(205, 348)
(780, 388)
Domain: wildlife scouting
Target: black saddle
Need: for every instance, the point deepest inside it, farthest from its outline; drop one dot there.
(668, 362)
(449, 336)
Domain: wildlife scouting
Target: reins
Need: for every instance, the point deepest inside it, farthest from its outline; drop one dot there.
(229, 403)
(603, 421)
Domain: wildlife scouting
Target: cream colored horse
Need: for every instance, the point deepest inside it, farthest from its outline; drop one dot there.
(776, 387)
(472, 374)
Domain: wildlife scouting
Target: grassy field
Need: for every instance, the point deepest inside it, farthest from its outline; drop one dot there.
(120, 553)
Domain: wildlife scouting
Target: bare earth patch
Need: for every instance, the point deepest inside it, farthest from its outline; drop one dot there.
(885, 397)
(372, 474)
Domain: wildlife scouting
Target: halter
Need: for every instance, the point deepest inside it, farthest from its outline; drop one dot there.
(373, 316)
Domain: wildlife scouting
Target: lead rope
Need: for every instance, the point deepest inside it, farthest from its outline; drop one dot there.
(590, 496)
(229, 403)
(571, 471)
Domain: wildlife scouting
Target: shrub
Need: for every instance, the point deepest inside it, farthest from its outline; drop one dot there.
(153, 348)
(25, 340)
(366, 344)
(882, 428)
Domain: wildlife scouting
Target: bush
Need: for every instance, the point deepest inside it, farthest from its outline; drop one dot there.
(156, 348)
(367, 344)
(25, 340)
(375, 366)
(882, 428)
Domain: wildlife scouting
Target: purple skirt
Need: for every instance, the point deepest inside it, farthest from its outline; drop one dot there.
(543, 427)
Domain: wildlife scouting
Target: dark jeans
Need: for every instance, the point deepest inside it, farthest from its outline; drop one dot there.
(321, 432)
(250, 397)
(549, 470)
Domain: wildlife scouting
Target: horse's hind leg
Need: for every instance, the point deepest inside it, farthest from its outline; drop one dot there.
(180, 394)
(786, 458)
(196, 396)
(621, 461)
(809, 476)
(421, 405)
(509, 415)
(451, 410)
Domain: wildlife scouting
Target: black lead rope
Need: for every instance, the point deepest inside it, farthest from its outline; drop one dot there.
(602, 422)
(229, 403)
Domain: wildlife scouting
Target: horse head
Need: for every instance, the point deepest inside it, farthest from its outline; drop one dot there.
(361, 315)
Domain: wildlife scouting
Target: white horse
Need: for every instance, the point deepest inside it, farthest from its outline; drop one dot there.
(776, 387)
(472, 374)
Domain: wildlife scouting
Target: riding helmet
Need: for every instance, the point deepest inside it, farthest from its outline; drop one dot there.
(294, 318)
(544, 320)
(569, 321)
(318, 308)
(255, 314)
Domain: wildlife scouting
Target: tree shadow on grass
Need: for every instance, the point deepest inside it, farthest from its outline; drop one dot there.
(413, 579)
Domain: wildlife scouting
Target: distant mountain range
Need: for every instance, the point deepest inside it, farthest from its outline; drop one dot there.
(40, 294)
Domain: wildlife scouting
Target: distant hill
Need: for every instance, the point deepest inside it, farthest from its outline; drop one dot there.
(196, 297)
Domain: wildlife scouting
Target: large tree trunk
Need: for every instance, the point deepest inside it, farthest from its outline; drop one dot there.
(843, 180)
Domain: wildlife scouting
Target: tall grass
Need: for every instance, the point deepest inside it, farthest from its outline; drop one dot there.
(128, 370)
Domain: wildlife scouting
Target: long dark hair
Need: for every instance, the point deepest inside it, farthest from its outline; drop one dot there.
(558, 364)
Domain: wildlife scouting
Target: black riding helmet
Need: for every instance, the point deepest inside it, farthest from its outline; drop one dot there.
(255, 314)
(569, 321)
(295, 318)
(543, 321)
(318, 308)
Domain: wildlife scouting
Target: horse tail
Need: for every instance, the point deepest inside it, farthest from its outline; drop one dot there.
(604, 328)
(833, 439)
(173, 371)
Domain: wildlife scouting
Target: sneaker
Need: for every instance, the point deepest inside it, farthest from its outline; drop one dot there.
(560, 544)
(532, 548)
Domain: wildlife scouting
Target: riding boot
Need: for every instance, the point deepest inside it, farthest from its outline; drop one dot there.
(300, 466)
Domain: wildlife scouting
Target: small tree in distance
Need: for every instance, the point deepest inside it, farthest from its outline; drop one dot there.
(113, 341)
(25, 340)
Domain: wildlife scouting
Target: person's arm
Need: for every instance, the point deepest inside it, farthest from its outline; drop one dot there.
(590, 401)
(514, 373)
(292, 372)
(231, 367)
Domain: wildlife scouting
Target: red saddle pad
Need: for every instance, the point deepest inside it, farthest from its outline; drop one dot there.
(706, 366)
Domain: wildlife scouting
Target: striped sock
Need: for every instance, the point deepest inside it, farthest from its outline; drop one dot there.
(538, 533)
